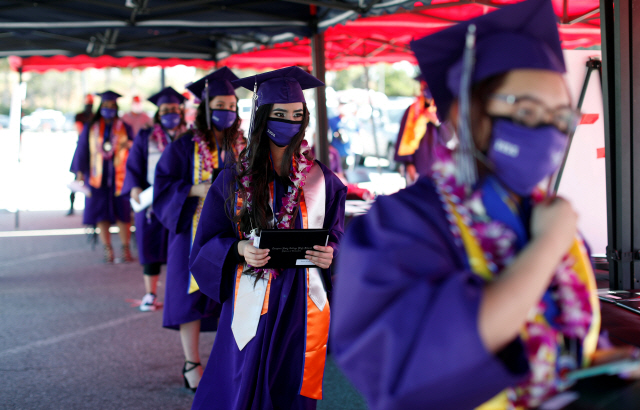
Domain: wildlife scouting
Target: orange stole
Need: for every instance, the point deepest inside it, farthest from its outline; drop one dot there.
(120, 155)
(415, 127)
(317, 324)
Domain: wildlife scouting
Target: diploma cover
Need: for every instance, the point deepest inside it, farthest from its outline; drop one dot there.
(288, 247)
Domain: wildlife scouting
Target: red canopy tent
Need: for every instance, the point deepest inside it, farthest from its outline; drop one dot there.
(386, 38)
(366, 40)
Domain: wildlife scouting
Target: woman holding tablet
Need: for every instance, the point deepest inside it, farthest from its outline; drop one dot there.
(271, 344)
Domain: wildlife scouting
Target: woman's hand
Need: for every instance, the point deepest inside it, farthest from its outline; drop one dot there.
(554, 219)
(135, 193)
(79, 176)
(254, 256)
(200, 190)
(321, 257)
(603, 356)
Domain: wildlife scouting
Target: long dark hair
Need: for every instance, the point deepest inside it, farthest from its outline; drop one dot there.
(256, 154)
(228, 136)
(97, 116)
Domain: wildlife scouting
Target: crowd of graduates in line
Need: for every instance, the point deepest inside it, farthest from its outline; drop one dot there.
(469, 289)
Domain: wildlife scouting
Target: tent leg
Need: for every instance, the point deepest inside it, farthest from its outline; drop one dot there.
(621, 53)
(162, 79)
(318, 62)
(17, 220)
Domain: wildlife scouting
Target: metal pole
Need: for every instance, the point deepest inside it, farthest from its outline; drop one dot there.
(162, 79)
(592, 64)
(621, 35)
(17, 221)
(318, 62)
(373, 122)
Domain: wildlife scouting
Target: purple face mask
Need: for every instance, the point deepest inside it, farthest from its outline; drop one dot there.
(522, 156)
(108, 113)
(281, 132)
(223, 119)
(170, 121)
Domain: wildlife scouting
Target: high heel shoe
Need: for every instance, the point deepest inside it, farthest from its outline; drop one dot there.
(194, 365)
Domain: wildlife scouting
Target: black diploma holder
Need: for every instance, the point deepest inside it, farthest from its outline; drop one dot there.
(288, 247)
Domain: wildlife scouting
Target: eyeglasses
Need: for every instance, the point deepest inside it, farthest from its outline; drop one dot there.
(532, 113)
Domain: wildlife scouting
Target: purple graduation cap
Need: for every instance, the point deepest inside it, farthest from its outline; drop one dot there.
(109, 96)
(281, 86)
(523, 35)
(167, 96)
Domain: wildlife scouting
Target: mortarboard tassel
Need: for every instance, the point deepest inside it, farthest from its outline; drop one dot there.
(254, 100)
(205, 99)
(466, 170)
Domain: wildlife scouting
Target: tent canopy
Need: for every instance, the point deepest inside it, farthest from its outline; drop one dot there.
(378, 39)
(192, 29)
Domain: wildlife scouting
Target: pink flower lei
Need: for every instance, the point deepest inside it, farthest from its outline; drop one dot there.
(298, 175)
(160, 137)
(541, 340)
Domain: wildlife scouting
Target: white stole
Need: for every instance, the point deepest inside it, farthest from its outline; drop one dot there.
(250, 298)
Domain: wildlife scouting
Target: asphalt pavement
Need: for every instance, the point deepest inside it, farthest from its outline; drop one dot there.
(71, 339)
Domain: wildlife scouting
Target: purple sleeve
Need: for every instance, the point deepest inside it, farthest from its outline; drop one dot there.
(173, 181)
(80, 162)
(212, 260)
(136, 175)
(405, 311)
(334, 217)
(406, 159)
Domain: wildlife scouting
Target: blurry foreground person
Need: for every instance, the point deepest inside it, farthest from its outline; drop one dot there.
(100, 161)
(148, 146)
(184, 175)
(472, 287)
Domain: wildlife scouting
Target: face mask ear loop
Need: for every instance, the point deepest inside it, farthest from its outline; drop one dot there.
(466, 170)
(205, 99)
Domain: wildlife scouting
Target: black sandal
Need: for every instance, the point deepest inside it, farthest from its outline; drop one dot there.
(185, 371)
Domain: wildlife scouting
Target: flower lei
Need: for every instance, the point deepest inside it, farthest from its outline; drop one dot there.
(541, 339)
(161, 138)
(298, 175)
(203, 150)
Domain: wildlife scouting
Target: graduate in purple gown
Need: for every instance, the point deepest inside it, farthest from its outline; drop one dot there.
(419, 129)
(270, 349)
(183, 177)
(151, 235)
(471, 287)
(100, 161)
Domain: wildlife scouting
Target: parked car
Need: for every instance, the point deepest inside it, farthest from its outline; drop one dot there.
(44, 120)
(4, 121)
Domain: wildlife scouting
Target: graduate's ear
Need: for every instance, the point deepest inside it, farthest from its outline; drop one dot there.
(480, 125)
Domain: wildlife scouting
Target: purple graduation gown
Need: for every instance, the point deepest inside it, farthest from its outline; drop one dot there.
(175, 209)
(423, 157)
(151, 235)
(406, 304)
(267, 373)
(103, 205)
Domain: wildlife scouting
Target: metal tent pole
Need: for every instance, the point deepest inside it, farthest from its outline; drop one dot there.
(162, 78)
(318, 62)
(621, 64)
